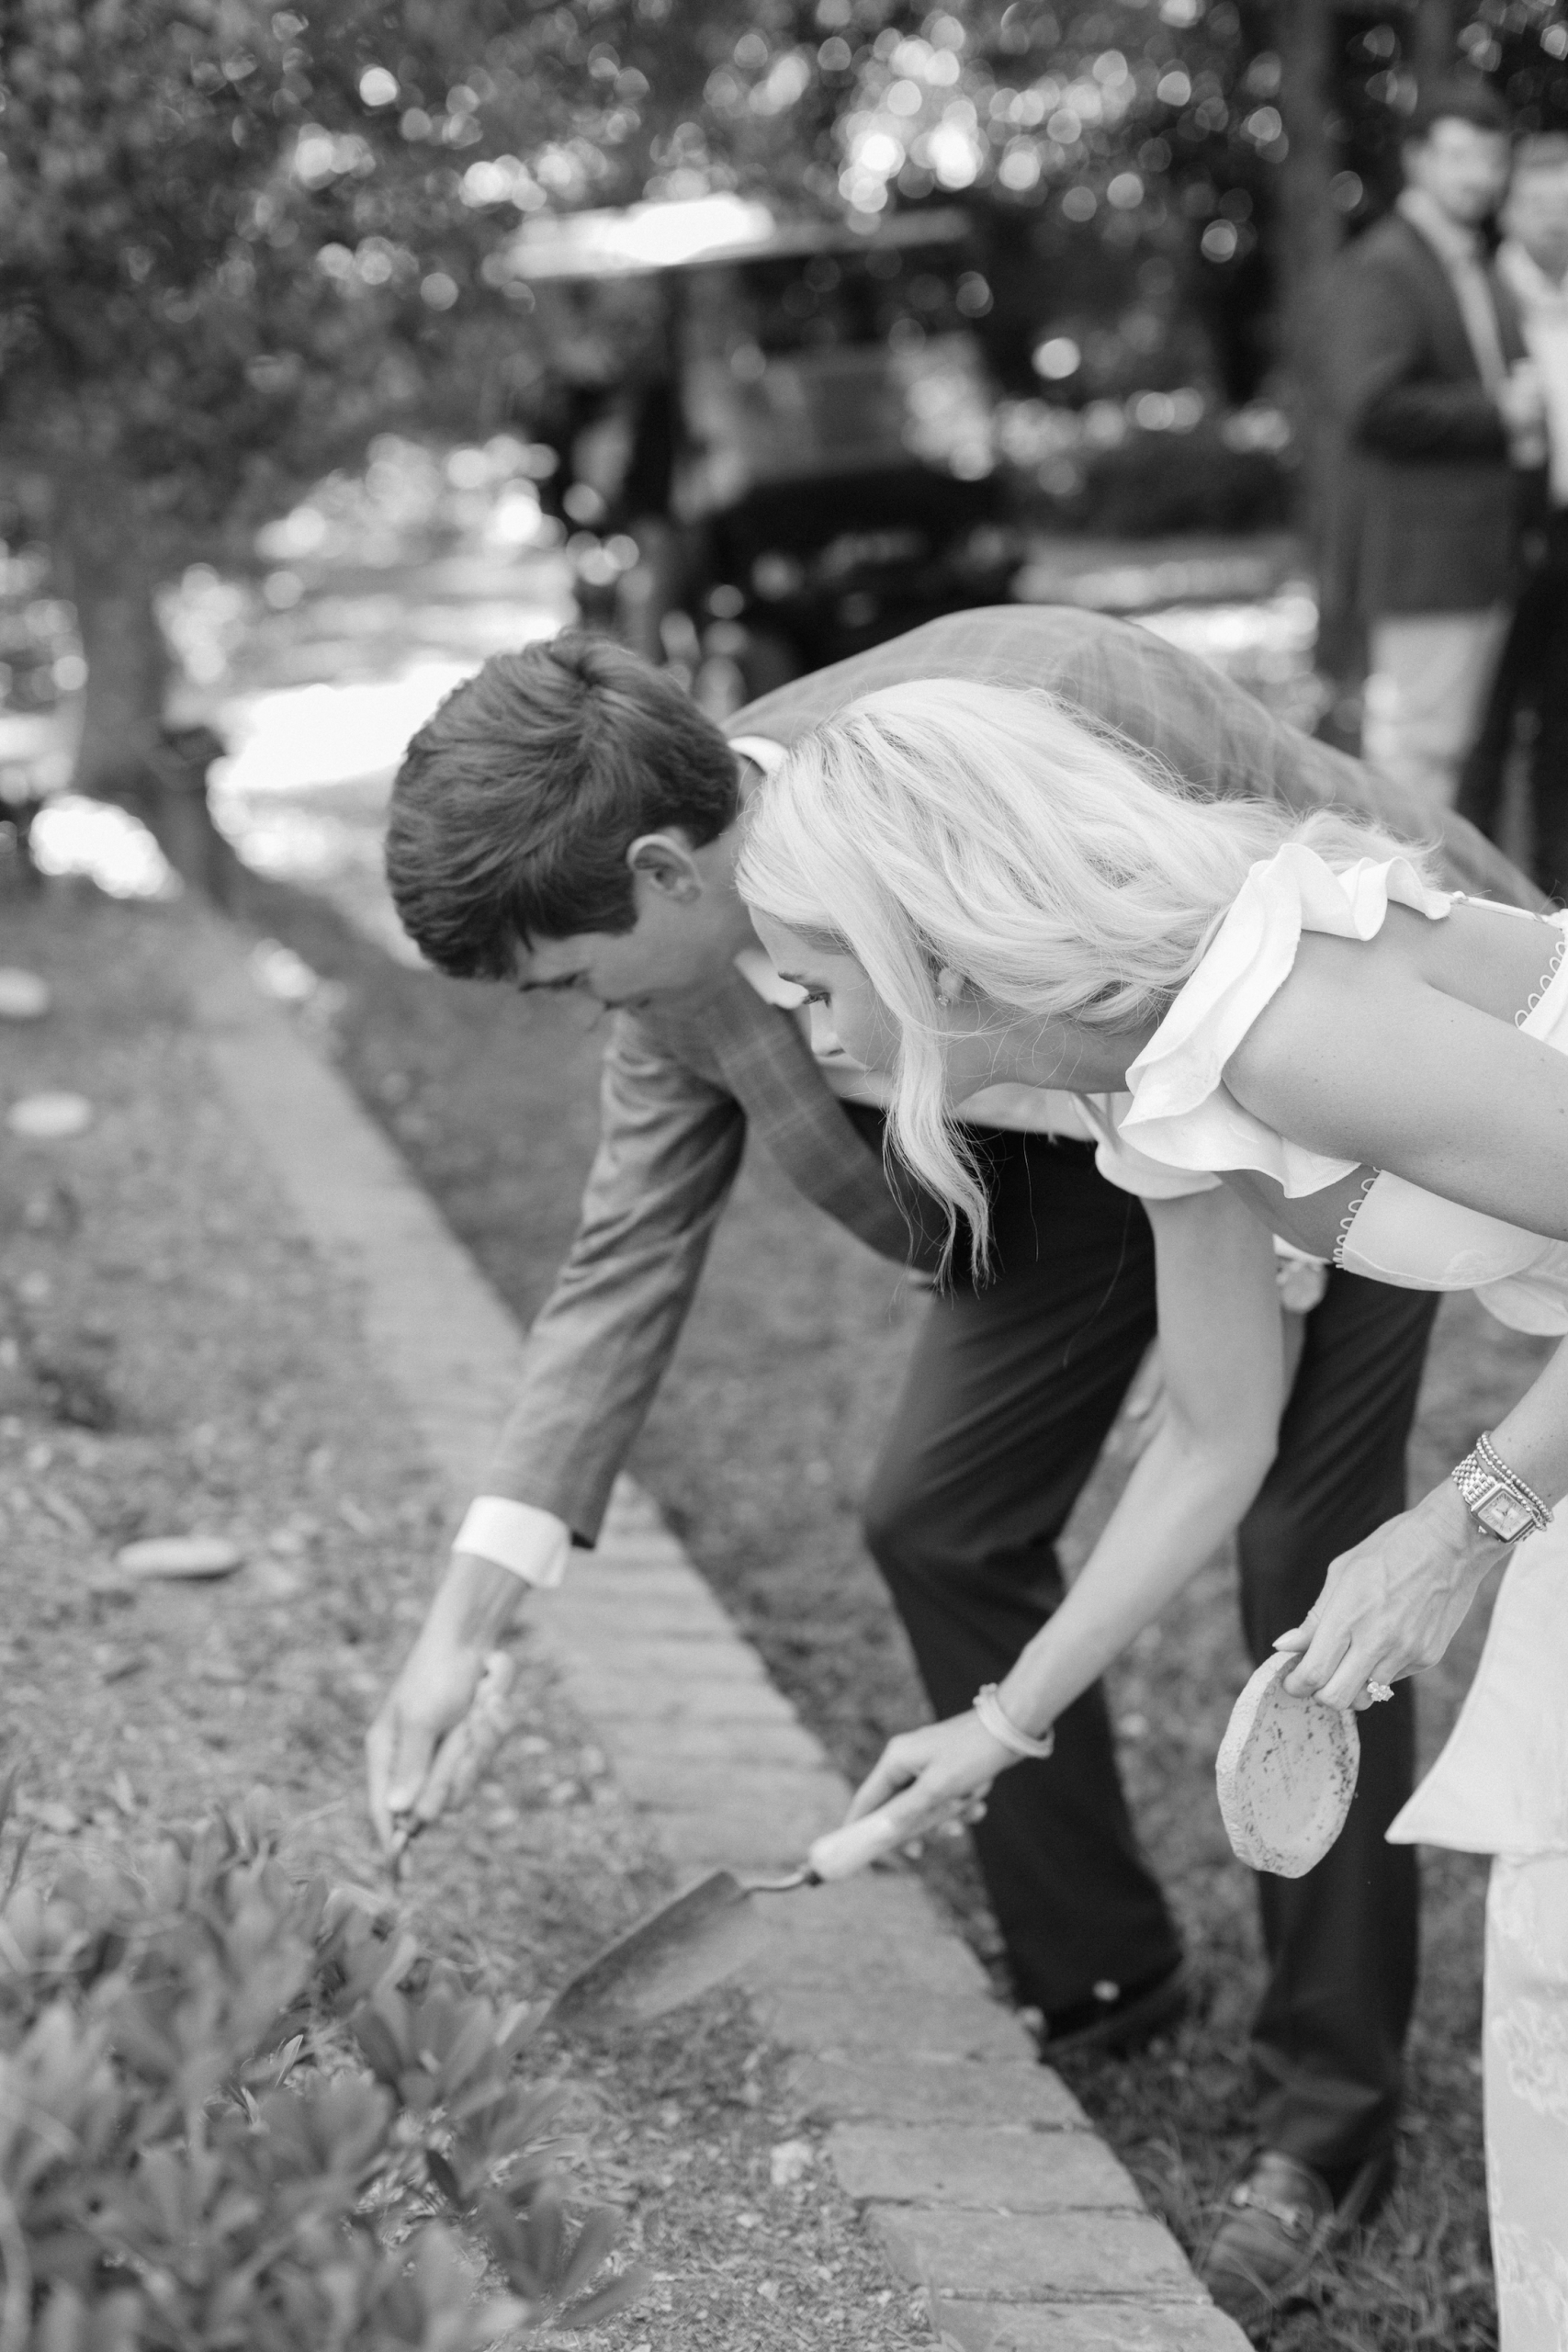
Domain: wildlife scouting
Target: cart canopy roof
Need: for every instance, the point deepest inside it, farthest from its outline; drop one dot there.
(698, 232)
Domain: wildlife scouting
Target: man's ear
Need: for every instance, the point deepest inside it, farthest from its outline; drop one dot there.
(664, 863)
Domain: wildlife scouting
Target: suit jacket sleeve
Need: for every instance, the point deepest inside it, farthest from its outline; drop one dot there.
(670, 1145)
(1395, 403)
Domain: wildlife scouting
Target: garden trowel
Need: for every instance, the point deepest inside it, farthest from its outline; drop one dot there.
(699, 1939)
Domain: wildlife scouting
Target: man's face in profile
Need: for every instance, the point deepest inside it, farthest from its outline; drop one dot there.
(1536, 217)
(1461, 167)
(689, 925)
(659, 958)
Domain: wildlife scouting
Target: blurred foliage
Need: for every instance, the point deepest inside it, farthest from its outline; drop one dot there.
(1124, 155)
(239, 2111)
(237, 241)
(1161, 463)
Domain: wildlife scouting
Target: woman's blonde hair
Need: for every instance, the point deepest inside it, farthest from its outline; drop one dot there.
(998, 833)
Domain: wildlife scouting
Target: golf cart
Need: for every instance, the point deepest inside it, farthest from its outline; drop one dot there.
(797, 461)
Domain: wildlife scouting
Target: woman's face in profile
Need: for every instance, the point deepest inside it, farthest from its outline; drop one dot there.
(846, 1011)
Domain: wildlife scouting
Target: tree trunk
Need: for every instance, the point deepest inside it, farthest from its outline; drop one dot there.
(1309, 237)
(113, 586)
(126, 753)
(1432, 41)
(1310, 222)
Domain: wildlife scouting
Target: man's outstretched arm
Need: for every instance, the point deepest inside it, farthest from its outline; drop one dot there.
(669, 1146)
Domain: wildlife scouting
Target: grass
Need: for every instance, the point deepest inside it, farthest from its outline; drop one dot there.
(758, 1448)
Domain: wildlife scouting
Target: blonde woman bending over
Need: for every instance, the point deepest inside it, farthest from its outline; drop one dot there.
(980, 889)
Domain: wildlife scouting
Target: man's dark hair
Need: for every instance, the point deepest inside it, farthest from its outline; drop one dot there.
(1463, 97)
(514, 809)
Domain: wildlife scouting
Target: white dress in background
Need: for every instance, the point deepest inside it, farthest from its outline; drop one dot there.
(1500, 1786)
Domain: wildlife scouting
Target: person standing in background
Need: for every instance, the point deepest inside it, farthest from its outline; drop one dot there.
(1533, 673)
(1439, 405)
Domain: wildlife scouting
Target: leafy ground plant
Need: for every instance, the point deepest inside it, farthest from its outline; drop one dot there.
(241, 2112)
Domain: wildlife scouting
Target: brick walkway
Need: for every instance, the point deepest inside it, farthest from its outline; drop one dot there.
(972, 2165)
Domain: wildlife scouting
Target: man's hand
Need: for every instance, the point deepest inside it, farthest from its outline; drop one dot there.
(1521, 396)
(1393, 1604)
(432, 1694)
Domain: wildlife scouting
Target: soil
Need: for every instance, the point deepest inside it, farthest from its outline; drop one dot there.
(173, 1360)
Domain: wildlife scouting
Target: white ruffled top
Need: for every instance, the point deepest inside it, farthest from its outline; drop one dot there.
(1181, 1113)
(1501, 1783)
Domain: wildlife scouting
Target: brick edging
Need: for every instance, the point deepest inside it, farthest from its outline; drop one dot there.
(973, 2163)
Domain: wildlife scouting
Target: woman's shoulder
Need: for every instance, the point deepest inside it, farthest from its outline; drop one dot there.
(1288, 907)
(1485, 957)
(1348, 896)
(1240, 1069)
(1343, 989)
(1324, 990)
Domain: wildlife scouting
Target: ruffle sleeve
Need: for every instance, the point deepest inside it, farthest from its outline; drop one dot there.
(1182, 1113)
(1122, 1164)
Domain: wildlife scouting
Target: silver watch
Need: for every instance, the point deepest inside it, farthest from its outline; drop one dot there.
(1497, 1498)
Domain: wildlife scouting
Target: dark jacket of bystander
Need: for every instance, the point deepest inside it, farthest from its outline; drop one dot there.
(1423, 511)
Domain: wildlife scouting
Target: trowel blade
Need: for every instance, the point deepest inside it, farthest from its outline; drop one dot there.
(686, 1946)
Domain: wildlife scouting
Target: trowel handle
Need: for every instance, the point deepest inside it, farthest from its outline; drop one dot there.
(842, 1852)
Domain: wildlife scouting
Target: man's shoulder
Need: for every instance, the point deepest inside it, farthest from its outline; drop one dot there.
(996, 644)
(1392, 255)
(1392, 239)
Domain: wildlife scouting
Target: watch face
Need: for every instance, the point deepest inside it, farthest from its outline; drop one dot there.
(1504, 1515)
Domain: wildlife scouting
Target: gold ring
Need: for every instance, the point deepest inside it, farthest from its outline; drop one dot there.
(1379, 1691)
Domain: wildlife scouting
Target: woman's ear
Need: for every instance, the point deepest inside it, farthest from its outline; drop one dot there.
(950, 986)
(666, 865)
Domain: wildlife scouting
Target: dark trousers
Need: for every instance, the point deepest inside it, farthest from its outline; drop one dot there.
(1532, 674)
(1010, 1398)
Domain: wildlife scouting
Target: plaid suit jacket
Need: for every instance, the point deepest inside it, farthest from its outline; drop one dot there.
(683, 1083)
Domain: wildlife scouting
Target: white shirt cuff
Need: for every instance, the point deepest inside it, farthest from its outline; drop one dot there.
(533, 1544)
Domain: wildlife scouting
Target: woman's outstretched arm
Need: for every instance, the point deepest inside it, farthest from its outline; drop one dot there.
(1222, 1353)
(1360, 1059)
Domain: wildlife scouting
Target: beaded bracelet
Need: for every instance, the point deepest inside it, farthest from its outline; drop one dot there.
(1002, 1726)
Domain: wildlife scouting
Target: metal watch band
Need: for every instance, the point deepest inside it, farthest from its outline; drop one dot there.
(1495, 1461)
(1497, 1498)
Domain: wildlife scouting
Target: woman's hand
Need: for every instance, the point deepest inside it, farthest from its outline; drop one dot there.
(1393, 1605)
(943, 1771)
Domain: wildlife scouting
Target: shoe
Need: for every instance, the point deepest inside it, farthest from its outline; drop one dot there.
(1117, 2018)
(1280, 2221)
